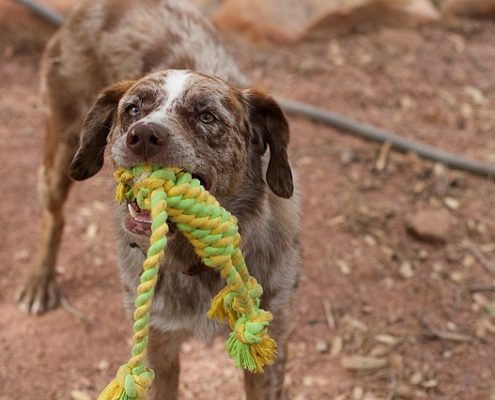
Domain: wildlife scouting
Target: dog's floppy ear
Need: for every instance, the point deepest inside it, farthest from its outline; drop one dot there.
(97, 125)
(270, 125)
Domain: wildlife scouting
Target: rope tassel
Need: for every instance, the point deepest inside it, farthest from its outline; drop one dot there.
(213, 232)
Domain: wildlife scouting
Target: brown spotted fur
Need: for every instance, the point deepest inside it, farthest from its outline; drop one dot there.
(115, 44)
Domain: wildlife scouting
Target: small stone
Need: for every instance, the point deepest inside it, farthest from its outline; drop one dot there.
(407, 103)
(447, 354)
(451, 326)
(475, 94)
(91, 231)
(348, 156)
(433, 225)
(457, 276)
(468, 261)
(103, 365)
(357, 393)
(369, 240)
(321, 346)
(344, 267)
(451, 203)
(439, 169)
(416, 378)
(388, 282)
(406, 271)
(22, 255)
(79, 395)
(423, 254)
(308, 381)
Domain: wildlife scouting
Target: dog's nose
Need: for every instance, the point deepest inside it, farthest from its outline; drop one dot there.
(146, 140)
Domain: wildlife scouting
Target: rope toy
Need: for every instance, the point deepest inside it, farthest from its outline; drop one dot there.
(213, 232)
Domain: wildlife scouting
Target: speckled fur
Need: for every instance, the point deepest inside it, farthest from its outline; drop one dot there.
(105, 42)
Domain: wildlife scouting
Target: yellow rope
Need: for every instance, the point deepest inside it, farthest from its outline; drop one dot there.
(213, 232)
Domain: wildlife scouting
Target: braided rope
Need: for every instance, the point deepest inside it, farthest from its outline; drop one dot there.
(213, 232)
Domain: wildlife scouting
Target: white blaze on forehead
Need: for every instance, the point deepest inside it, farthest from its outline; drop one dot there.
(175, 84)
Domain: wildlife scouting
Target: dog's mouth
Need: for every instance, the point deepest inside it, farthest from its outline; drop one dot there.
(138, 221)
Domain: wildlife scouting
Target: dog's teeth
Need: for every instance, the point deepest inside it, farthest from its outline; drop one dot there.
(132, 211)
(137, 216)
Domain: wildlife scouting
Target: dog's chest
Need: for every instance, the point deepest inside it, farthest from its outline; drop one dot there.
(183, 293)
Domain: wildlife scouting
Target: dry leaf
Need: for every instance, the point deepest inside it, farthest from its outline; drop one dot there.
(362, 363)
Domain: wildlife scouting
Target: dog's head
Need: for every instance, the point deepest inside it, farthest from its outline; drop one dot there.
(185, 119)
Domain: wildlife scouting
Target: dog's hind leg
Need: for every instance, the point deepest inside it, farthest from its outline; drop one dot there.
(63, 121)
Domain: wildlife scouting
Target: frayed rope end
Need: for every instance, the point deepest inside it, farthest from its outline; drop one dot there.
(127, 385)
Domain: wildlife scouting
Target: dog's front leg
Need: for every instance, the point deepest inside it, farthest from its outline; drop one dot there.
(163, 354)
(268, 385)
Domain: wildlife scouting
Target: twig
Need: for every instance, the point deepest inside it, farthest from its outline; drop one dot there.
(458, 292)
(369, 132)
(478, 287)
(381, 162)
(487, 264)
(75, 312)
(444, 335)
(329, 315)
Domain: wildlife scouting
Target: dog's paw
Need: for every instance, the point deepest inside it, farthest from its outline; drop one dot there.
(38, 295)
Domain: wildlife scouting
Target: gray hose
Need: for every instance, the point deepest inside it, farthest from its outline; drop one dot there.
(375, 134)
(337, 121)
(52, 16)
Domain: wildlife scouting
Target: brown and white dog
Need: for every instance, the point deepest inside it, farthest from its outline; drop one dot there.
(149, 80)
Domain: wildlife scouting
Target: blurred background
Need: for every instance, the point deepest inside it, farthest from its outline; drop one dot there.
(397, 294)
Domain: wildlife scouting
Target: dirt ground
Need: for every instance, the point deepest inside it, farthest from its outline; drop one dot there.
(379, 314)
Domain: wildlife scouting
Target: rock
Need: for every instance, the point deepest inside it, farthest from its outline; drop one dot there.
(433, 225)
(321, 346)
(348, 156)
(469, 8)
(292, 20)
(368, 14)
(79, 395)
(406, 270)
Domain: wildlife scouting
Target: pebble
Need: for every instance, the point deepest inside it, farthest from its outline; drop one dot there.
(432, 225)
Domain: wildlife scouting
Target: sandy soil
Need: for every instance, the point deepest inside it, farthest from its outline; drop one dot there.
(424, 313)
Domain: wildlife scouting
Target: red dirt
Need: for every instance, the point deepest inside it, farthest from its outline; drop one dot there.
(435, 84)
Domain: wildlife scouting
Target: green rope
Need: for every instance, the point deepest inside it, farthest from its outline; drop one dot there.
(213, 232)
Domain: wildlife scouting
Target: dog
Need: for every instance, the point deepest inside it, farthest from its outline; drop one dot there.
(149, 82)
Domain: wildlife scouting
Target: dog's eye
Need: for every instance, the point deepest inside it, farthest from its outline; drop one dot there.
(132, 110)
(206, 117)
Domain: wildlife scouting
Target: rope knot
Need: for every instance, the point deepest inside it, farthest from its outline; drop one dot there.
(128, 384)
